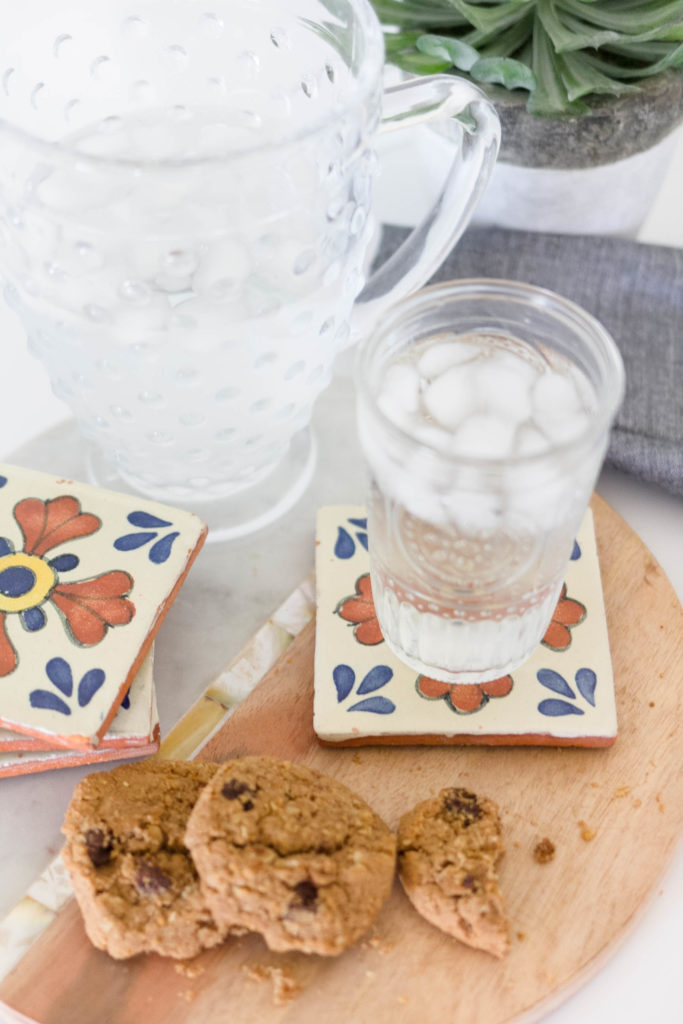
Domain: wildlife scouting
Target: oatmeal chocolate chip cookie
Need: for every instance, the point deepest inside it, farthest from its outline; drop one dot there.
(283, 850)
(132, 874)
(448, 849)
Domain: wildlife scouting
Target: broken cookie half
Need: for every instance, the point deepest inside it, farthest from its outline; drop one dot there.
(448, 851)
(283, 850)
(132, 875)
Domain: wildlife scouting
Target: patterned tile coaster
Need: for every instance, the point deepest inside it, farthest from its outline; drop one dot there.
(86, 578)
(132, 725)
(134, 732)
(562, 696)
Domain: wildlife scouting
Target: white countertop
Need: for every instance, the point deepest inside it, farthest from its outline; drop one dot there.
(641, 981)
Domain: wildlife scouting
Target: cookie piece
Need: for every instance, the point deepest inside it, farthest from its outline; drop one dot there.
(132, 874)
(286, 851)
(448, 849)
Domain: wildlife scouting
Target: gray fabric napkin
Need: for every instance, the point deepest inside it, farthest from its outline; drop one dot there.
(636, 291)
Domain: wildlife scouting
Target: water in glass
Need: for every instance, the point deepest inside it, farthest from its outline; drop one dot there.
(471, 534)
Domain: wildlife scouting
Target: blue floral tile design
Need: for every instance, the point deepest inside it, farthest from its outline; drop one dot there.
(344, 679)
(586, 682)
(150, 526)
(345, 546)
(58, 671)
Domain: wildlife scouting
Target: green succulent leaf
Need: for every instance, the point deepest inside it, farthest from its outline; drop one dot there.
(504, 71)
(580, 37)
(461, 55)
(420, 63)
(549, 98)
(673, 59)
(630, 18)
(561, 51)
(581, 78)
(396, 42)
(507, 42)
(494, 17)
(581, 31)
(398, 12)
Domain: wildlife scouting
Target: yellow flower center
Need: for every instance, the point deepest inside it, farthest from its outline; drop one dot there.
(25, 581)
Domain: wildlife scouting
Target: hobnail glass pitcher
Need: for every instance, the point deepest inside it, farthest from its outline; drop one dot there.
(185, 215)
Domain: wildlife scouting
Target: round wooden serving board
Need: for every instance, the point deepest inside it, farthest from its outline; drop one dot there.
(614, 816)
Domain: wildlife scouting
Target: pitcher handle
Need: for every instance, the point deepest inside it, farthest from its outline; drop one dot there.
(419, 100)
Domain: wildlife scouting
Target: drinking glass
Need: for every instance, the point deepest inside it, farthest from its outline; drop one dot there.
(470, 533)
(185, 217)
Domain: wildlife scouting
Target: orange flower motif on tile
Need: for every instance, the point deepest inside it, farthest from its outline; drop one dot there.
(45, 524)
(360, 610)
(29, 580)
(91, 606)
(463, 698)
(568, 613)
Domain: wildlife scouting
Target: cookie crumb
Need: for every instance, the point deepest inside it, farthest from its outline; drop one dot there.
(544, 851)
(660, 803)
(188, 968)
(285, 986)
(587, 834)
(189, 995)
(521, 936)
(255, 972)
(621, 791)
(636, 803)
(376, 942)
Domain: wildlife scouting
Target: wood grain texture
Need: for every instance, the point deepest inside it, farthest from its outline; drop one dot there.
(566, 915)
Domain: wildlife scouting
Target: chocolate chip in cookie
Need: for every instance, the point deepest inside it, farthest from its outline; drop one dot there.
(308, 866)
(464, 804)
(132, 874)
(448, 852)
(99, 845)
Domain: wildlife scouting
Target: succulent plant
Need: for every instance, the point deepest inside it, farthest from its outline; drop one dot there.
(561, 51)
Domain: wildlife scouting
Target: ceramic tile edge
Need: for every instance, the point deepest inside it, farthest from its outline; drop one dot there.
(30, 917)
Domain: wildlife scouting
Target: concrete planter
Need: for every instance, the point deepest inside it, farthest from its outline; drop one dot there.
(596, 174)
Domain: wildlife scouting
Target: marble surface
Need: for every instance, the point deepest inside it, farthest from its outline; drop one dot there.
(232, 590)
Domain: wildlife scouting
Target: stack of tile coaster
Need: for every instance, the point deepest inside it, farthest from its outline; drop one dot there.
(562, 696)
(86, 579)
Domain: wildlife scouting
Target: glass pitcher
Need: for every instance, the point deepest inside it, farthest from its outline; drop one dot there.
(185, 217)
